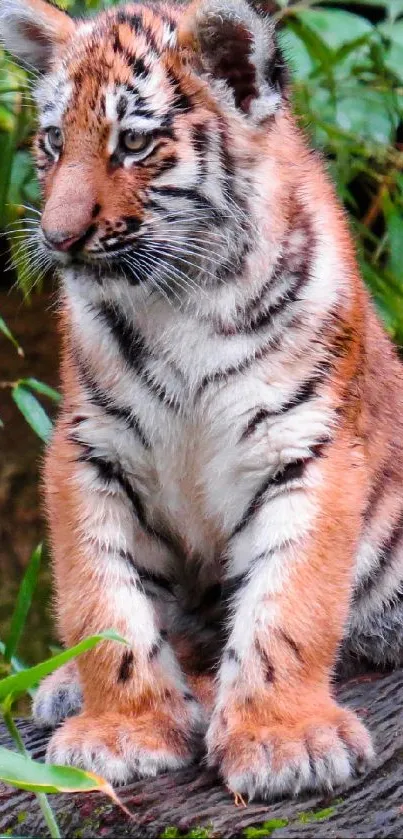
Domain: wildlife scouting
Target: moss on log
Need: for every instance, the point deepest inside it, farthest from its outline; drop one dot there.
(193, 803)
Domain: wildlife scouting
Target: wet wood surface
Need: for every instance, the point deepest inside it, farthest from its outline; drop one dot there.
(371, 807)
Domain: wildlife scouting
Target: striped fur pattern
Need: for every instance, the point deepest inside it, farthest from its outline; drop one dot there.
(224, 484)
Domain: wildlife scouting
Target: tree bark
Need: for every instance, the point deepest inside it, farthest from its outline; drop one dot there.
(371, 806)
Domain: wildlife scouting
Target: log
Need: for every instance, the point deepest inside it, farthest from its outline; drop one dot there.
(370, 806)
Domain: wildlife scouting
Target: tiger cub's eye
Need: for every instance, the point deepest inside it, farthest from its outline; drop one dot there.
(135, 143)
(54, 137)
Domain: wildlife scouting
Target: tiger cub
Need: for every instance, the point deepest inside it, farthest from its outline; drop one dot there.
(224, 483)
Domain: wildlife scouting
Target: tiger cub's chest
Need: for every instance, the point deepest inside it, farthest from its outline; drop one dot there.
(203, 467)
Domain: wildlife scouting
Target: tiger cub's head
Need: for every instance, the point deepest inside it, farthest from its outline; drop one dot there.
(152, 124)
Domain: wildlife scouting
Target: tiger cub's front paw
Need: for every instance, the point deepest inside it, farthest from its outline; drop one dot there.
(120, 747)
(286, 758)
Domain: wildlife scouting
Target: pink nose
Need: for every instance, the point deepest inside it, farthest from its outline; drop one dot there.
(61, 241)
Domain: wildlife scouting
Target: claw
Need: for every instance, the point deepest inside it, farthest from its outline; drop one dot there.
(239, 801)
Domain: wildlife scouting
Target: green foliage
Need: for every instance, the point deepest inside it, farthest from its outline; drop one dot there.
(8, 334)
(21, 771)
(23, 391)
(17, 683)
(32, 410)
(348, 92)
(194, 833)
(23, 604)
(316, 815)
(265, 829)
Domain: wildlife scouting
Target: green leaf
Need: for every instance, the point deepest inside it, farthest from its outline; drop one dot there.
(19, 682)
(368, 114)
(393, 33)
(17, 666)
(265, 829)
(316, 815)
(335, 27)
(8, 334)
(23, 602)
(395, 233)
(42, 388)
(24, 773)
(33, 412)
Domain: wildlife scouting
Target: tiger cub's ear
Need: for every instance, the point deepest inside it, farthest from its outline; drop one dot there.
(32, 29)
(236, 43)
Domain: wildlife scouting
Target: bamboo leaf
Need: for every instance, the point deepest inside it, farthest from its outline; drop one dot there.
(19, 682)
(33, 412)
(42, 388)
(23, 602)
(8, 334)
(24, 773)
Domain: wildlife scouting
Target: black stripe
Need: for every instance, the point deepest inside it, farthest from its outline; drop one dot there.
(291, 472)
(135, 63)
(254, 507)
(191, 195)
(223, 375)
(200, 142)
(260, 320)
(290, 296)
(291, 643)
(136, 23)
(134, 351)
(257, 315)
(232, 655)
(228, 165)
(102, 400)
(231, 268)
(233, 584)
(181, 101)
(155, 649)
(139, 68)
(121, 106)
(276, 70)
(126, 666)
(108, 472)
(145, 575)
(304, 393)
(386, 554)
(256, 420)
(268, 667)
(386, 475)
(167, 164)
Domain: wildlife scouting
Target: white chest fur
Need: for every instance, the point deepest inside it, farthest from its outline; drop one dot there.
(193, 392)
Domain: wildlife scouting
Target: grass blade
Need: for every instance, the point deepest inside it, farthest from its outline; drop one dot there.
(42, 388)
(8, 334)
(23, 603)
(33, 412)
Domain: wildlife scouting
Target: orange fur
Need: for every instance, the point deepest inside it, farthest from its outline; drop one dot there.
(279, 709)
